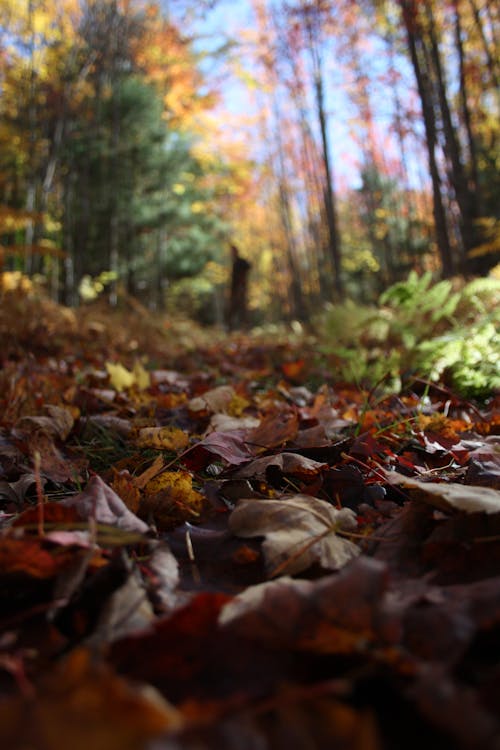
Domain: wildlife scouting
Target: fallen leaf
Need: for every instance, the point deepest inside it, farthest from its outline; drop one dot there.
(228, 446)
(126, 610)
(142, 379)
(450, 496)
(119, 377)
(122, 379)
(32, 557)
(227, 423)
(217, 400)
(299, 531)
(292, 370)
(53, 464)
(337, 614)
(162, 438)
(275, 430)
(124, 486)
(58, 424)
(170, 499)
(175, 649)
(291, 464)
(16, 492)
(484, 466)
(100, 502)
(83, 704)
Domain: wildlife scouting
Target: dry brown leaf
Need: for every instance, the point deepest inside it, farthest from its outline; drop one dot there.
(287, 463)
(275, 430)
(83, 705)
(299, 531)
(58, 424)
(100, 502)
(451, 496)
(216, 400)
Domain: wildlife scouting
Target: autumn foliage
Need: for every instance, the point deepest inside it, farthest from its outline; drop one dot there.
(220, 544)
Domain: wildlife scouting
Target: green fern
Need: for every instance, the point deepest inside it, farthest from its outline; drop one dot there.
(424, 327)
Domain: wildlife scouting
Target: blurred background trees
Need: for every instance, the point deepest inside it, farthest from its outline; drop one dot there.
(338, 144)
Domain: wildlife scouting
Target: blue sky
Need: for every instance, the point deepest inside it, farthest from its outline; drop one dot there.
(228, 18)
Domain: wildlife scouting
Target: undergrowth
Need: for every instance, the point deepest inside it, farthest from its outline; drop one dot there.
(421, 328)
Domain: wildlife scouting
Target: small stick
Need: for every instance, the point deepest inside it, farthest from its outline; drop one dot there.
(192, 559)
(37, 460)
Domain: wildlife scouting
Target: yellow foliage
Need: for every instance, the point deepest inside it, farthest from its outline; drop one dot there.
(178, 482)
(490, 228)
(141, 376)
(15, 281)
(122, 379)
(170, 499)
(216, 273)
(12, 219)
(198, 207)
(162, 438)
(237, 406)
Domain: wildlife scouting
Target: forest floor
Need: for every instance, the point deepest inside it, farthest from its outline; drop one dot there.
(208, 542)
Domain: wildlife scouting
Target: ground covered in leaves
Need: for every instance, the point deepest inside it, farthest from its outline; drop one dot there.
(210, 542)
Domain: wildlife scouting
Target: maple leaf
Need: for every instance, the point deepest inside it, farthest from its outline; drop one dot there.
(299, 531)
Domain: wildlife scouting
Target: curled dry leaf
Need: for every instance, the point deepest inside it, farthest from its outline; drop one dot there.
(100, 502)
(275, 430)
(451, 496)
(217, 400)
(287, 463)
(228, 446)
(299, 531)
(335, 614)
(15, 492)
(228, 423)
(57, 425)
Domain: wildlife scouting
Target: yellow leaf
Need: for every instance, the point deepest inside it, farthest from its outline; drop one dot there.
(179, 483)
(142, 378)
(162, 438)
(170, 499)
(119, 377)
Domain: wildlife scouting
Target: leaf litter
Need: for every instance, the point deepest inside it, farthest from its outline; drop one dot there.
(222, 547)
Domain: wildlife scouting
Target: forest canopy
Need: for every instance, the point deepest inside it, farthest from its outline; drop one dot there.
(338, 144)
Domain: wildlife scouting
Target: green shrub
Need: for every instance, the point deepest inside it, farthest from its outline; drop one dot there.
(434, 330)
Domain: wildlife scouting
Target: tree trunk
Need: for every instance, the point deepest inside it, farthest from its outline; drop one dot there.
(491, 59)
(329, 195)
(463, 195)
(473, 168)
(441, 228)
